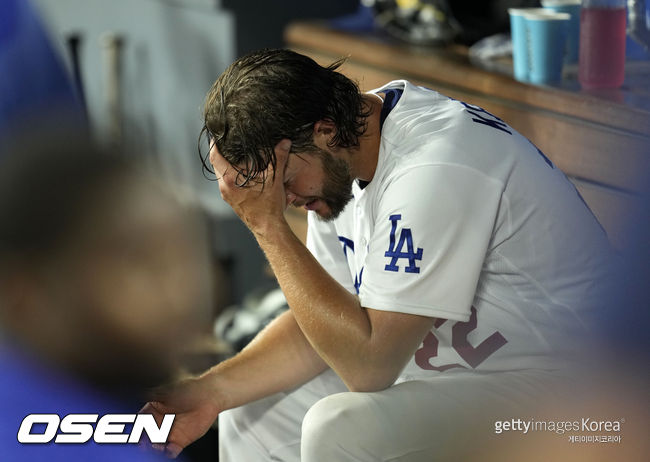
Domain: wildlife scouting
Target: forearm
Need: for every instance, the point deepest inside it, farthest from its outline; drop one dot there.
(331, 318)
(367, 348)
(278, 359)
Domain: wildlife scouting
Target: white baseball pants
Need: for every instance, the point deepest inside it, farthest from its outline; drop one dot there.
(417, 421)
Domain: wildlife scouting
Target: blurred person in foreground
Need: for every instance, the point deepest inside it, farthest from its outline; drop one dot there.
(450, 276)
(103, 278)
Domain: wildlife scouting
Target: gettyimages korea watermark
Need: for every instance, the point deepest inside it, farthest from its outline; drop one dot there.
(80, 428)
(582, 430)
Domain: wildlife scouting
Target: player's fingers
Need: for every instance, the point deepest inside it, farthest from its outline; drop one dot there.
(276, 173)
(146, 409)
(219, 164)
(225, 174)
(160, 392)
(215, 155)
(156, 410)
(226, 178)
(172, 450)
(282, 154)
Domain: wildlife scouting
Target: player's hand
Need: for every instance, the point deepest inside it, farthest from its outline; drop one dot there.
(196, 408)
(258, 205)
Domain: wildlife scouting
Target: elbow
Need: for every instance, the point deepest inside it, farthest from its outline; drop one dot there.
(370, 381)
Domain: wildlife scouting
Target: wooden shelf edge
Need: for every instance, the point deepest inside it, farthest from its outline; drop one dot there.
(455, 70)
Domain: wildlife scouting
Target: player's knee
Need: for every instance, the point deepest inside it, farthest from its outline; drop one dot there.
(331, 425)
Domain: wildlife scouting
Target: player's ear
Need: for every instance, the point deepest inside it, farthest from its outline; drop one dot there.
(324, 131)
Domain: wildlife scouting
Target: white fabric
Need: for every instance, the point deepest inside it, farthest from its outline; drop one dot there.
(415, 421)
(498, 246)
(511, 255)
(269, 429)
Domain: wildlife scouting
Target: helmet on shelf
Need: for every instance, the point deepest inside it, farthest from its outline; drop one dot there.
(421, 22)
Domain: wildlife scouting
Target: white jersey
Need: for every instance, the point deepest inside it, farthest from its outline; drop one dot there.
(466, 221)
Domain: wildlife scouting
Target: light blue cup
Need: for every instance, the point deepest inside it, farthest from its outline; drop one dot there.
(519, 46)
(520, 61)
(572, 7)
(546, 34)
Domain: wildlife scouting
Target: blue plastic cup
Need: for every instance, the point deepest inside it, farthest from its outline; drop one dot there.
(546, 36)
(519, 46)
(572, 7)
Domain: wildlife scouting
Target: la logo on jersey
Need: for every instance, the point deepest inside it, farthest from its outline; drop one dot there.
(396, 251)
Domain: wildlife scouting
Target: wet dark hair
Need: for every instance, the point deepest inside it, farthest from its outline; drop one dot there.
(270, 95)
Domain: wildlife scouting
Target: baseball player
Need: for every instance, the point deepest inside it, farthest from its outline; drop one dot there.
(450, 268)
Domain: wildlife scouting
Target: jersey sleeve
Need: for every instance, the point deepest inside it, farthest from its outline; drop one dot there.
(323, 242)
(432, 228)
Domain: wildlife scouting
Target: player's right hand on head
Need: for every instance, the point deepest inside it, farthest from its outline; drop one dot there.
(196, 408)
(264, 200)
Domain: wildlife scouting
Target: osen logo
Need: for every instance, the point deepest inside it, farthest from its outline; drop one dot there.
(80, 428)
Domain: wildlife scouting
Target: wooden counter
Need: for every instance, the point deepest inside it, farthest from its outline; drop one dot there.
(600, 139)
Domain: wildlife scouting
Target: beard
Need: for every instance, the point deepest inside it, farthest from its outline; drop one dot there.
(337, 187)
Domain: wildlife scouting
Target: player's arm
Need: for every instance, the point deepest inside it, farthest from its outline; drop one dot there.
(279, 358)
(367, 348)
